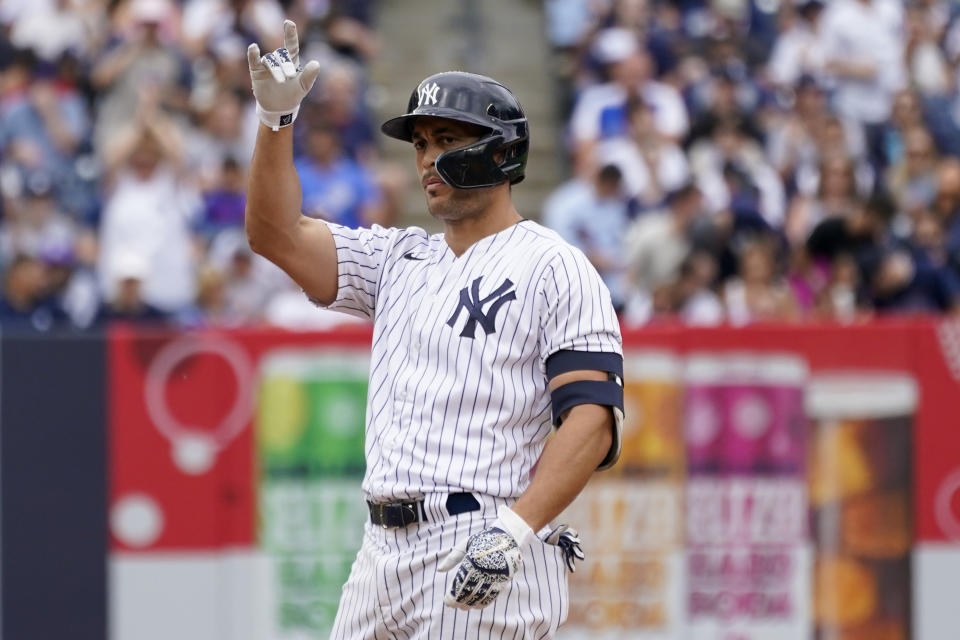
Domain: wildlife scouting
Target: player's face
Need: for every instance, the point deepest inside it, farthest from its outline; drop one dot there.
(431, 137)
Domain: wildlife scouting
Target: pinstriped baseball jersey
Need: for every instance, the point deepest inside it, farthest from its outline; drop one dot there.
(458, 397)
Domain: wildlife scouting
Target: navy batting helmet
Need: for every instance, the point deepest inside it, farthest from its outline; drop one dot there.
(468, 97)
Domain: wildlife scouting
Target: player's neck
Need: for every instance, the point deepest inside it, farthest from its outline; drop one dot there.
(462, 234)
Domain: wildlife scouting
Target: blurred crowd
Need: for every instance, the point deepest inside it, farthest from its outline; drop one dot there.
(731, 160)
(126, 133)
(762, 160)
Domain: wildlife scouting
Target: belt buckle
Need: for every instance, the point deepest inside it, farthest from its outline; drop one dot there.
(408, 506)
(383, 521)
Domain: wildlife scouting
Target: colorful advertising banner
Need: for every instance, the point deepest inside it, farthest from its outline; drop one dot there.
(775, 483)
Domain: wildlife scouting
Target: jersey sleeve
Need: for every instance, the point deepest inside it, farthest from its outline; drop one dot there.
(577, 314)
(361, 254)
(580, 330)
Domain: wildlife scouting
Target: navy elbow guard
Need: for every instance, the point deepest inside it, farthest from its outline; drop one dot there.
(608, 393)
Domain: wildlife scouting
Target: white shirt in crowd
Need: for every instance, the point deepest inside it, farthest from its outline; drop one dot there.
(868, 32)
(151, 218)
(669, 111)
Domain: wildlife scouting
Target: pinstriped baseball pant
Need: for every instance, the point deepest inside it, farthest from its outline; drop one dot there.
(395, 591)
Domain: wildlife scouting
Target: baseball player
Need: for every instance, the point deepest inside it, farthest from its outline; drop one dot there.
(486, 338)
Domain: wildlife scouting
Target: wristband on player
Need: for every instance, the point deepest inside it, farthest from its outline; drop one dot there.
(277, 119)
(513, 524)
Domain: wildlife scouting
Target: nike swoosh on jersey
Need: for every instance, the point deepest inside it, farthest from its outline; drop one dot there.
(409, 256)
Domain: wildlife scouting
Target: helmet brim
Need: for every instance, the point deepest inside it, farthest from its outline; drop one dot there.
(401, 127)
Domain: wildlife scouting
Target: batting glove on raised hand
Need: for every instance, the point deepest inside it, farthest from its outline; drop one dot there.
(569, 542)
(486, 561)
(279, 83)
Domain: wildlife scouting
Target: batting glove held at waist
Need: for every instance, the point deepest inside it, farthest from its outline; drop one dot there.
(486, 561)
(568, 540)
(279, 82)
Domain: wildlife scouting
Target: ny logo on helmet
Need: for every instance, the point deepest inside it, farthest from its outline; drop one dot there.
(471, 301)
(427, 94)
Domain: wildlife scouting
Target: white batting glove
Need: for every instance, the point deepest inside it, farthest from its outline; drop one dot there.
(486, 561)
(279, 83)
(568, 540)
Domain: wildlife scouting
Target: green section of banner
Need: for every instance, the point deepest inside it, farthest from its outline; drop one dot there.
(310, 425)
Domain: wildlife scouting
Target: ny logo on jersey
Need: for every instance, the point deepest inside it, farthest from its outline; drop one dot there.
(427, 94)
(471, 301)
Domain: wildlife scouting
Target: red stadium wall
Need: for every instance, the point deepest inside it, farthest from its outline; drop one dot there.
(766, 489)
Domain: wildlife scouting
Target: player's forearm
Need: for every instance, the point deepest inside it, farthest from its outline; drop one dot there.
(273, 196)
(568, 461)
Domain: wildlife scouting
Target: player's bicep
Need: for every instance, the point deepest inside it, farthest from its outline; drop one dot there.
(311, 260)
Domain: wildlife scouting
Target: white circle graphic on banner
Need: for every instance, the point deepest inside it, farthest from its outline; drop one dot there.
(947, 518)
(136, 520)
(751, 416)
(194, 450)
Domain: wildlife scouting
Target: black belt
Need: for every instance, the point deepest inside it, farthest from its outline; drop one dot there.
(405, 512)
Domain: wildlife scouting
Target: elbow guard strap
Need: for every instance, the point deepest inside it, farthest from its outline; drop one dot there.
(607, 393)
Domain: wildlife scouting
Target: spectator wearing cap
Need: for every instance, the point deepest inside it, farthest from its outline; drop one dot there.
(140, 64)
(129, 271)
(601, 110)
(593, 217)
(652, 165)
(335, 187)
(34, 225)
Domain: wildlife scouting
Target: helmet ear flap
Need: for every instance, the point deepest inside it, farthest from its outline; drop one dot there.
(472, 166)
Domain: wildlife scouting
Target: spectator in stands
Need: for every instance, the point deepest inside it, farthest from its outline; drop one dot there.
(925, 60)
(140, 64)
(906, 283)
(695, 301)
(130, 271)
(758, 293)
(593, 217)
(863, 53)
(601, 111)
(913, 180)
(335, 187)
(223, 137)
(212, 25)
(44, 124)
(796, 53)
(339, 102)
(51, 29)
(733, 173)
(652, 165)
(149, 210)
(946, 207)
(225, 202)
(26, 303)
(836, 196)
(655, 246)
(34, 225)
